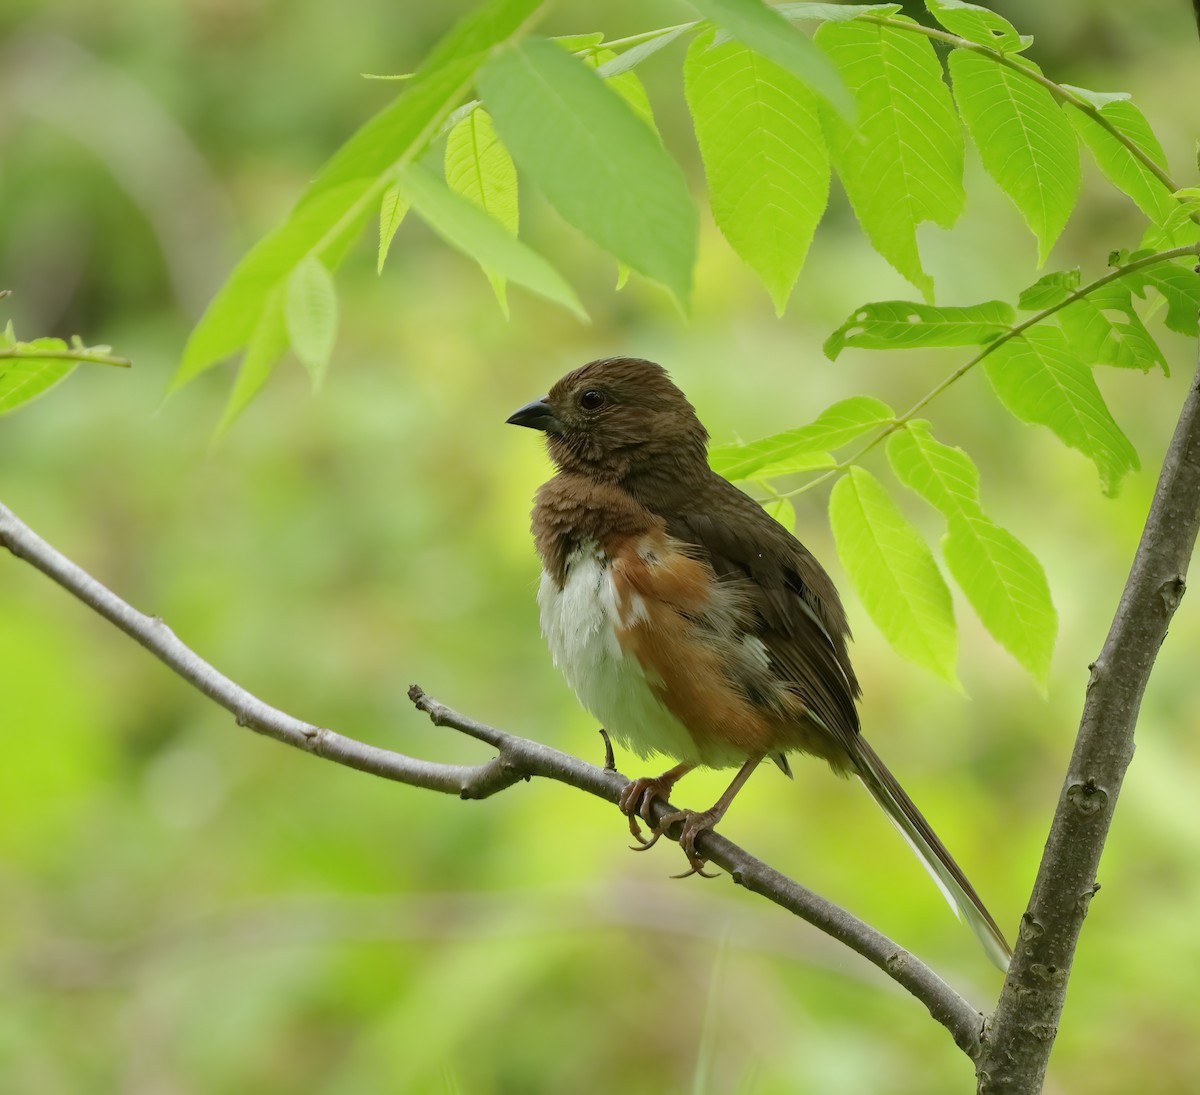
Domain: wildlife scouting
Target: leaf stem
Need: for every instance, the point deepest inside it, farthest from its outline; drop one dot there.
(22, 353)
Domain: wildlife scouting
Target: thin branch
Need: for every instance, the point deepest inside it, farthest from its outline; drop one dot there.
(517, 758)
(1020, 1036)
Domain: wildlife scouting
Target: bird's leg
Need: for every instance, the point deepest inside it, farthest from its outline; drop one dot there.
(697, 822)
(639, 795)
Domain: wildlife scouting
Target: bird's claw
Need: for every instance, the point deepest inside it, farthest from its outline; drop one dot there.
(694, 823)
(635, 802)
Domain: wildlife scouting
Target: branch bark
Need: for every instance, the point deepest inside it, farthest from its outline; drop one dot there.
(1018, 1039)
(517, 759)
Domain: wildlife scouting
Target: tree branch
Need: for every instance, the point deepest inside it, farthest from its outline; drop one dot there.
(1019, 1037)
(517, 758)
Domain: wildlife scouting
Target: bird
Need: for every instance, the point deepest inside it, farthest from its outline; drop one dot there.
(689, 622)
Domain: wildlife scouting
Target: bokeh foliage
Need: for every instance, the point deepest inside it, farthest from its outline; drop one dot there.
(187, 907)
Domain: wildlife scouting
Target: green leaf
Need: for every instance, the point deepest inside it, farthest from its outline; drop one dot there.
(1119, 165)
(311, 315)
(1104, 329)
(23, 379)
(392, 209)
(336, 204)
(1179, 286)
(1180, 226)
(902, 324)
(902, 163)
(999, 575)
(837, 425)
(764, 156)
(479, 168)
(945, 477)
(833, 13)
(1041, 380)
(781, 509)
(764, 30)
(893, 572)
(267, 345)
(1048, 290)
(465, 226)
(1025, 143)
(625, 83)
(977, 24)
(595, 161)
(1006, 586)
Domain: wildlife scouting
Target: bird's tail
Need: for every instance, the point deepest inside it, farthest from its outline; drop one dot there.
(931, 851)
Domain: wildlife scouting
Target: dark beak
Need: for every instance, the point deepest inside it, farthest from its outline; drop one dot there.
(537, 416)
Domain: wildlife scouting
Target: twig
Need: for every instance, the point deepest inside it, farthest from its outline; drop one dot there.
(517, 758)
(1019, 1038)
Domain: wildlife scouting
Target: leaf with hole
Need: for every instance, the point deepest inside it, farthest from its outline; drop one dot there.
(902, 324)
(978, 24)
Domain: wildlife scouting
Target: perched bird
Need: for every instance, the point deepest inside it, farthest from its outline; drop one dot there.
(688, 621)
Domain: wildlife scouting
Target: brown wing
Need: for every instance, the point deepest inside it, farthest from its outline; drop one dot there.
(798, 615)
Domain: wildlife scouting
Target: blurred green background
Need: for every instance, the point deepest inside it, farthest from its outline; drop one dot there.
(187, 908)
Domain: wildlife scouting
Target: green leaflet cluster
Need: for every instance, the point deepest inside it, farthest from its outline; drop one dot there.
(886, 103)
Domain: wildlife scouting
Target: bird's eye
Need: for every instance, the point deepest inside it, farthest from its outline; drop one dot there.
(591, 400)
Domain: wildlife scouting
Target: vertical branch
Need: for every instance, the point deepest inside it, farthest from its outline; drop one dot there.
(1018, 1040)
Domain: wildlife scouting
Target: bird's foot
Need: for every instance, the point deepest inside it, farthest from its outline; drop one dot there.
(694, 822)
(635, 802)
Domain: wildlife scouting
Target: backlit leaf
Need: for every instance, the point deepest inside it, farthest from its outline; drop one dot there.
(1049, 290)
(978, 24)
(1120, 166)
(837, 425)
(766, 31)
(311, 315)
(902, 161)
(901, 324)
(479, 168)
(1025, 143)
(23, 379)
(392, 208)
(1041, 380)
(764, 157)
(893, 573)
(999, 575)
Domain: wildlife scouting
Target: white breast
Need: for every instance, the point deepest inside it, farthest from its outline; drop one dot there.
(579, 622)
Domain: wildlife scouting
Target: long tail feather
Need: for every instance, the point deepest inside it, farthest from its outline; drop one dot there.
(931, 851)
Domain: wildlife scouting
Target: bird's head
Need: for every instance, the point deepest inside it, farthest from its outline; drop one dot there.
(616, 419)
